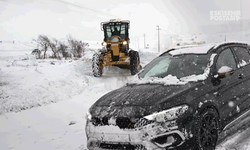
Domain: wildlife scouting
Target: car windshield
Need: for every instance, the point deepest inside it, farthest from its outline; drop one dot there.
(179, 66)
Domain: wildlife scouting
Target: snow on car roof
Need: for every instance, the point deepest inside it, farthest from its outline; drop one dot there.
(202, 49)
(229, 42)
(185, 46)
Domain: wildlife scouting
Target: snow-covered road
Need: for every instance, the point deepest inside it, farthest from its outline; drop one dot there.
(56, 97)
(47, 127)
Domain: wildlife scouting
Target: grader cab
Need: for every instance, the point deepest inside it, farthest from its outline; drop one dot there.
(115, 51)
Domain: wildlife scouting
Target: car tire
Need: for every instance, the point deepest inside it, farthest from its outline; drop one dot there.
(134, 62)
(97, 65)
(206, 130)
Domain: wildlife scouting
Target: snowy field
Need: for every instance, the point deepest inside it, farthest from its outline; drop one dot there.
(43, 102)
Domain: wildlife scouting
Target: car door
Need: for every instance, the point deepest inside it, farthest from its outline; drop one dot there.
(227, 87)
(243, 58)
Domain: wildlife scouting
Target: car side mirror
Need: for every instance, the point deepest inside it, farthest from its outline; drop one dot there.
(223, 71)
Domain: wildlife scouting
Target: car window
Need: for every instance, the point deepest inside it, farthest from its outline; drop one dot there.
(159, 68)
(226, 58)
(242, 55)
(179, 66)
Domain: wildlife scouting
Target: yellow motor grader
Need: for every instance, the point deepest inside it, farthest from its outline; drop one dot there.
(115, 51)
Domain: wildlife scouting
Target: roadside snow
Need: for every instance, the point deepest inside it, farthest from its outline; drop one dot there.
(48, 127)
(26, 82)
(31, 83)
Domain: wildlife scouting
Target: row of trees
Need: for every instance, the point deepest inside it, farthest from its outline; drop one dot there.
(70, 47)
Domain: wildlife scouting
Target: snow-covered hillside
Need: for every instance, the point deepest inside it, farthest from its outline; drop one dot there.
(28, 87)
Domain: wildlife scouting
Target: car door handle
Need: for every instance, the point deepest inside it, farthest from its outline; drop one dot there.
(241, 76)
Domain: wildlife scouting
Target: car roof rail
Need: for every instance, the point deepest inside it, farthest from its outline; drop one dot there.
(229, 43)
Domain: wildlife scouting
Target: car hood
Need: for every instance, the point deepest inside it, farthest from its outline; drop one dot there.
(144, 98)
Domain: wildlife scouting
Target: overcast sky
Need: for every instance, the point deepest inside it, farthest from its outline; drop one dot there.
(25, 19)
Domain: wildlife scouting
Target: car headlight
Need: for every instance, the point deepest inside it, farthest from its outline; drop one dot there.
(125, 43)
(88, 116)
(104, 43)
(169, 114)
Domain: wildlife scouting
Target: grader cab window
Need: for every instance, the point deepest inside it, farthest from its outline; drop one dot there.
(112, 29)
(108, 32)
(116, 30)
(123, 31)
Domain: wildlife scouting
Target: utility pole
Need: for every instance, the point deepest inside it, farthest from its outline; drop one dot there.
(241, 21)
(138, 43)
(135, 43)
(158, 28)
(144, 41)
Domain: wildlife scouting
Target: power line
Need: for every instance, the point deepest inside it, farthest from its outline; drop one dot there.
(85, 7)
(81, 6)
(144, 41)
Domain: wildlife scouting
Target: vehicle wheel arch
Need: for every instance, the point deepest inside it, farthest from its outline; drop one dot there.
(199, 116)
(210, 105)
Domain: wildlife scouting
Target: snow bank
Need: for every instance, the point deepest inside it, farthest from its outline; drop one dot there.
(147, 55)
(26, 82)
(34, 83)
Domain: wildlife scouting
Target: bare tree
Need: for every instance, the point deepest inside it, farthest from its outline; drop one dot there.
(72, 44)
(53, 45)
(76, 46)
(43, 42)
(62, 48)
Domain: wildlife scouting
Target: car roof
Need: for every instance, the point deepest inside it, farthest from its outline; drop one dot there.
(200, 49)
(230, 43)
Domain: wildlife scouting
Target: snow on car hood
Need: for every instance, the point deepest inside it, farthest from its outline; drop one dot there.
(140, 99)
(168, 80)
(122, 111)
(140, 95)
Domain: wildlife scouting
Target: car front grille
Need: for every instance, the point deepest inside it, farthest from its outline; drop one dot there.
(142, 122)
(122, 122)
(122, 146)
(99, 121)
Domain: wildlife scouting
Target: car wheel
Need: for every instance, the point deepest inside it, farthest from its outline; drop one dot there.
(97, 65)
(134, 62)
(206, 130)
